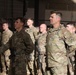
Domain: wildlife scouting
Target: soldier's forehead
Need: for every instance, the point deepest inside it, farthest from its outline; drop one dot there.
(5, 24)
(43, 25)
(29, 20)
(54, 14)
(18, 20)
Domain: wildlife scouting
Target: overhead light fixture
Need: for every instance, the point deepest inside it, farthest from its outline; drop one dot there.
(74, 1)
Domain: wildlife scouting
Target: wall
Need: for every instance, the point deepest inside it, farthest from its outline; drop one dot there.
(67, 15)
(14, 8)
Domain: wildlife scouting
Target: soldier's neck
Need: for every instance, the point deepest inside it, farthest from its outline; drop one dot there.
(30, 26)
(19, 29)
(6, 29)
(57, 25)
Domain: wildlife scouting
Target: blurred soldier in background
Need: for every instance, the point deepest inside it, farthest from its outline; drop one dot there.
(6, 34)
(71, 59)
(56, 39)
(32, 31)
(41, 44)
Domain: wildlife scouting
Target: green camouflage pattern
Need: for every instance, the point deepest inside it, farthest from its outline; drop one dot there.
(41, 45)
(20, 45)
(32, 32)
(56, 50)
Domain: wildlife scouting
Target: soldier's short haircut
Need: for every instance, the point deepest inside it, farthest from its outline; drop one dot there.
(57, 13)
(71, 23)
(21, 19)
(6, 22)
(30, 19)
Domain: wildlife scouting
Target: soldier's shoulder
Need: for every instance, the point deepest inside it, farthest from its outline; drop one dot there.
(11, 31)
(66, 33)
(24, 31)
(35, 29)
(63, 29)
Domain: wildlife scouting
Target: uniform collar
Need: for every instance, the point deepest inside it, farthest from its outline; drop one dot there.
(31, 27)
(56, 29)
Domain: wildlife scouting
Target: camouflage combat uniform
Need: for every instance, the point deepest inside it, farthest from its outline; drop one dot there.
(33, 33)
(56, 50)
(20, 45)
(71, 59)
(41, 44)
(5, 56)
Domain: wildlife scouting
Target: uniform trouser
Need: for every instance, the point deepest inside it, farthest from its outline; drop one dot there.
(3, 63)
(30, 64)
(58, 70)
(42, 63)
(5, 60)
(18, 69)
(48, 71)
(71, 65)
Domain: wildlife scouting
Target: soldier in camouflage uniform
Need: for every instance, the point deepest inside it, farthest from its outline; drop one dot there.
(41, 43)
(7, 33)
(32, 31)
(71, 59)
(20, 45)
(56, 50)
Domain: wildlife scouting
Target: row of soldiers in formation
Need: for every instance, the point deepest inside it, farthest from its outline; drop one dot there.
(38, 36)
(54, 48)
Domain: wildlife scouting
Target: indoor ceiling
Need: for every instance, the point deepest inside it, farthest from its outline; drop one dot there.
(61, 5)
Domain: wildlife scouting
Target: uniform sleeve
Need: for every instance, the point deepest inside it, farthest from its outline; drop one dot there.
(70, 41)
(29, 44)
(10, 34)
(35, 33)
(4, 47)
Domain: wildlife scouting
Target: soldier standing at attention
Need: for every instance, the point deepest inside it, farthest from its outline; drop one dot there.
(6, 34)
(56, 50)
(41, 44)
(20, 45)
(71, 27)
(32, 31)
